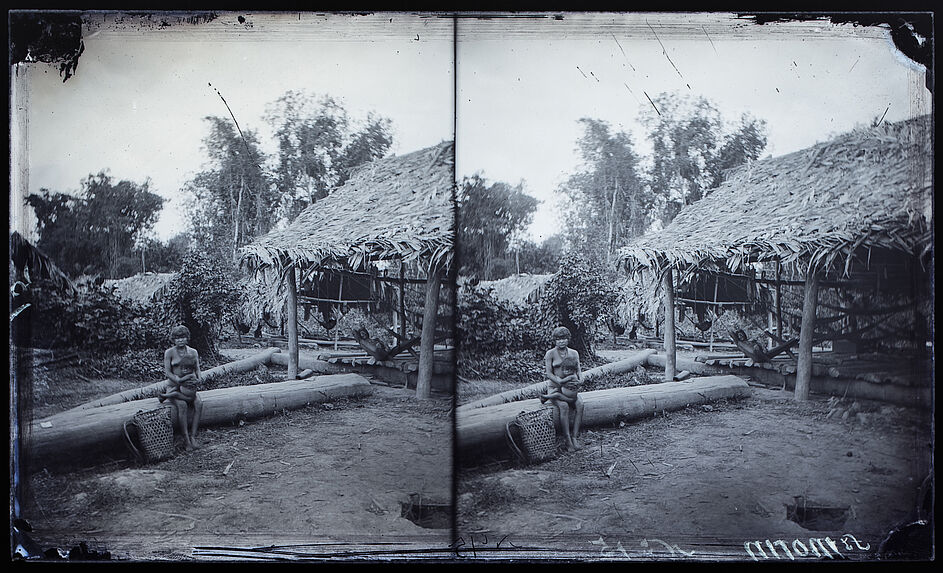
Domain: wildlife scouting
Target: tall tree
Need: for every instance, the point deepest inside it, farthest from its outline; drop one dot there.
(318, 145)
(105, 218)
(235, 200)
(489, 217)
(693, 147)
(607, 201)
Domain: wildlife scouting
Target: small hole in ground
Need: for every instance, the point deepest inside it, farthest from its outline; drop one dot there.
(816, 517)
(427, 513)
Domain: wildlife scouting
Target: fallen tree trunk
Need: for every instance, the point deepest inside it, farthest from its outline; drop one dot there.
(482, 430)
(319, 366)
(693, 366)
(152, 390)
(535, 390)
(79, 434)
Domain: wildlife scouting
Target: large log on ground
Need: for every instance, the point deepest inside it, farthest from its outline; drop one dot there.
(659, 361)
(482, 430)
(152, 390)
(79, 434)
(535, 390)
(319, 366)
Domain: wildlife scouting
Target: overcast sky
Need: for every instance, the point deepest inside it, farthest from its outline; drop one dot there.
(136, 103)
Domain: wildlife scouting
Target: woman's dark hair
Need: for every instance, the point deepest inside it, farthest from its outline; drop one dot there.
(560, 332)
(180, 332)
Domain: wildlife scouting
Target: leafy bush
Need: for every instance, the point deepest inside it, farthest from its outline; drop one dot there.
(487, 325)
(94, 319)
(578, 296)
(203, 296)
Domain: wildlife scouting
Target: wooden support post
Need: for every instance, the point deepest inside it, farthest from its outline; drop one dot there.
(340, 307)
(292, 324)
(670, 347)
(806, 334)
(714, 319)
(427, 344)
(779, 304)
(402, 301)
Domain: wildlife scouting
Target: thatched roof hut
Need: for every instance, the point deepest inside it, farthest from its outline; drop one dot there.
(30, 263)
(141, 287)
(519, 289)
(871, 188)
(399, 207)
(857, 209)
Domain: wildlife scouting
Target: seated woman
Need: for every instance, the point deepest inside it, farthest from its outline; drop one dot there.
(182, 368)
(562, 368)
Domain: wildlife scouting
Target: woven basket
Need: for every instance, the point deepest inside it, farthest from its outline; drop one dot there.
(537, 433)
(154, 434)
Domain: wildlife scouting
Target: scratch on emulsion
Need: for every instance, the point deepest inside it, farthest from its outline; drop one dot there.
(664, 51)
(624, 55)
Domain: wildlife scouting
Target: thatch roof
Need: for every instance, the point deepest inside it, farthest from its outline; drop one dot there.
(396, 207)
(140, 287)
(516, 288)
(34, 264)
(870, 188)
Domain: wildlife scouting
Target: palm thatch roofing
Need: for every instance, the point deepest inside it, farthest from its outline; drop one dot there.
(517, 288)
(141, 287)
(30, 263)
(399, 207)
(870, 188)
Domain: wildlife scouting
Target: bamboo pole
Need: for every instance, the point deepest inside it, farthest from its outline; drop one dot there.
(670, 347)
(427, 344)
(713, 320)
(779, 304)
(402, 300)
(806, 334)
(292, 324)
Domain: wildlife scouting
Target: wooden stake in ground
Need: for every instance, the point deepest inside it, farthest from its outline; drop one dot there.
(806, 335)
(427, 344)
(670, 347)
(292, 323)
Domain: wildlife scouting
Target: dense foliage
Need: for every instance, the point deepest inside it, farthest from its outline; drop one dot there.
(94, 319)
(203, 296)
(579, 296)
(607, 201)
(490, 217)
(95, 231)
(487, 325)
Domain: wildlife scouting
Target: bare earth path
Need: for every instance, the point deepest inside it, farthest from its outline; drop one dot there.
(334, 477)
(702, 482)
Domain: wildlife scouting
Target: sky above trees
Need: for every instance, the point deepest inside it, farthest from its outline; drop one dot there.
(137, 100)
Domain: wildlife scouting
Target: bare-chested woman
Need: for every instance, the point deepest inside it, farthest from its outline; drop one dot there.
(562, 368)
(182, 368)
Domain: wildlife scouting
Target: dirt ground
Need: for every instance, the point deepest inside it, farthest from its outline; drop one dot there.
(334, 481)
(331, 480)
(705, 482)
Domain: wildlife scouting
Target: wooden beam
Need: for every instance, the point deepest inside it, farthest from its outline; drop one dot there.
(78, 435)
(670, 347)
(482, 430)
(292, 323)
(806, 336)
(427, 343)
(534, 390)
